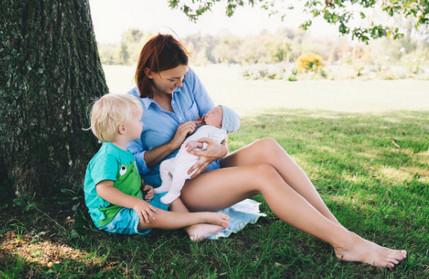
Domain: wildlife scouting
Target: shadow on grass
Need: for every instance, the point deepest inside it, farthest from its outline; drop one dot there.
(343, 154)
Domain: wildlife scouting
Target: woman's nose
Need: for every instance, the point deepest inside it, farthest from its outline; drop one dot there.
(179, 83)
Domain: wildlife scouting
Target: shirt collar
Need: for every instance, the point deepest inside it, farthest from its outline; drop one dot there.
(149, 101)
(146, 102)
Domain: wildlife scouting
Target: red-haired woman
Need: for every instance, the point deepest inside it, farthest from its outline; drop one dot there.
(174, 99)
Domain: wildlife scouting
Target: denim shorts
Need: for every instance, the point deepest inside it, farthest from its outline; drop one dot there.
(126, 220)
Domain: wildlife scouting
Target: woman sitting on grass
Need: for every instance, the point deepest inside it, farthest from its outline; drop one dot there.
(174, 99)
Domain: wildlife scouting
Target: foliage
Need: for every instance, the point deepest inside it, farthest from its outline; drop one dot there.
(127, 51)
(310, 62)
(339, 13)
(265, 54)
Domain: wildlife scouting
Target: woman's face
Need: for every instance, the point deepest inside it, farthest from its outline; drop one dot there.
(167, 81)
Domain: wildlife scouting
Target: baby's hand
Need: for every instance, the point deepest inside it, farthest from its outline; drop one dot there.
(149, 192)
(145, 211)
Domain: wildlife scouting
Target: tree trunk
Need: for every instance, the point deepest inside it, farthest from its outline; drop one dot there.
(51, 72)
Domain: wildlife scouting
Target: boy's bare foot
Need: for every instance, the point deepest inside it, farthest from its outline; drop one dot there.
(362, 250)
(214, 218)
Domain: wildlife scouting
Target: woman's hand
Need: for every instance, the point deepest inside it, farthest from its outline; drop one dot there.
(207, 150)
(149, 192)
(145, 211)
(182, 131)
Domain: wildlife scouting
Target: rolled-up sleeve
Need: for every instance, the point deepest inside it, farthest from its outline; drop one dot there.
(137, 149)
(204, 102)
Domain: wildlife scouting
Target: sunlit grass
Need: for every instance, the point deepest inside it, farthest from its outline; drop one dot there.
(372, 170)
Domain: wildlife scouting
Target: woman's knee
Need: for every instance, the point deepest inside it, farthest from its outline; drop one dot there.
(269, 147)
(266, 173)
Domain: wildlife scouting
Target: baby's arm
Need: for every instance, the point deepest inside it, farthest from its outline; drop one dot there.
(143, 209)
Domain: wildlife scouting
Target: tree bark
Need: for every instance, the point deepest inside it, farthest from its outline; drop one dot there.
(51, 72)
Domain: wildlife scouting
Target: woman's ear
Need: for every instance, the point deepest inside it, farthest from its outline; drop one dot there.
(147, 72)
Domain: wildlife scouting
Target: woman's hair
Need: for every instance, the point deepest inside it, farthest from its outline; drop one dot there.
(109, 112)
(160, 53)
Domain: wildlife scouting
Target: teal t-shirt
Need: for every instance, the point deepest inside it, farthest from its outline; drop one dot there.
(115, 164)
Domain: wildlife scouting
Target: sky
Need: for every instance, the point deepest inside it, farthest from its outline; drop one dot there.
(112, 17)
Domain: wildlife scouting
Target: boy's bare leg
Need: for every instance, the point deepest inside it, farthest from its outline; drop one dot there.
(198, 225)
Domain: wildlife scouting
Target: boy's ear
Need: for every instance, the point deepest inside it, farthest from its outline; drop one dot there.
(121, 129)
(148, 72)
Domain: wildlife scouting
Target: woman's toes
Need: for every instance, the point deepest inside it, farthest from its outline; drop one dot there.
(404, 254)
(394, 261)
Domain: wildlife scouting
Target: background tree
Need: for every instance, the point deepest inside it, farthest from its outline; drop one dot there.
(50, 74)
(337, 12)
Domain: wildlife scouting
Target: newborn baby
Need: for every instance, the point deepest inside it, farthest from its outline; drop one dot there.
(216, 124)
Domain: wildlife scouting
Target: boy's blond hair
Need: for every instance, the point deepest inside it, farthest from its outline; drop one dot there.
(109, 112)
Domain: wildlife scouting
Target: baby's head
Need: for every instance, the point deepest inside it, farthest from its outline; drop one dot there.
(223, 117)
(115, 114)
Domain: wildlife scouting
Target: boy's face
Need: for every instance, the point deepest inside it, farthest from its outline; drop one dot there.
(134, 126)
(214, 117)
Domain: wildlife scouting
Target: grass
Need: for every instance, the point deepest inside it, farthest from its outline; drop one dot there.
(372, 170)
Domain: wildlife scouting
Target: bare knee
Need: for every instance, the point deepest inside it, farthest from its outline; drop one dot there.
(266, 174)
(268, 147)
(153, 223)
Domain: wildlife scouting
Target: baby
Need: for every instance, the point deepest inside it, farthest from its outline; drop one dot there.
(216, 124)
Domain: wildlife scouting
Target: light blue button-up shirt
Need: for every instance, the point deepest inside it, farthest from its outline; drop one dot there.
(189, 102)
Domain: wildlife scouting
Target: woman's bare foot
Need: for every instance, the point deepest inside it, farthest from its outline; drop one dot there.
(362, 250)
(200, 232)
(217, 222)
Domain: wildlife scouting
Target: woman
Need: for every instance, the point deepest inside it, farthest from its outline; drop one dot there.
(174, 99)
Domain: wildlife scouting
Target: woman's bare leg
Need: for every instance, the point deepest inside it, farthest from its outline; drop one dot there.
(268, 151)
(224, 187)
(196, 232)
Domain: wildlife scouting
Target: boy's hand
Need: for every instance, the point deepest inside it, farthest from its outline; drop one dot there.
(145, 211)
(149, 192)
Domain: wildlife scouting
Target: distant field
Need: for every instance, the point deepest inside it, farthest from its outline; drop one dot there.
(226, 86)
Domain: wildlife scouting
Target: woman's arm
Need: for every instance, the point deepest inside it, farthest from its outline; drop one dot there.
(158, 154)
(213, 152)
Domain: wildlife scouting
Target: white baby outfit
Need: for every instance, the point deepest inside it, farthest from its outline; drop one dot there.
(174, 171)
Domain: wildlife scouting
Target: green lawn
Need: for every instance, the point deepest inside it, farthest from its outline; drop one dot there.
(372, 170)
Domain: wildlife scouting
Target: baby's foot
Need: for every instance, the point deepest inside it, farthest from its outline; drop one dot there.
(162, 188)
(169, 197)
(200, 232)
(362, 250)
